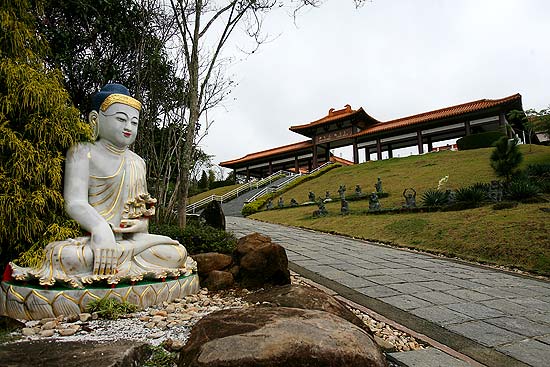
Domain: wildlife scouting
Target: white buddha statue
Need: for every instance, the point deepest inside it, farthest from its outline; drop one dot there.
(106, 193)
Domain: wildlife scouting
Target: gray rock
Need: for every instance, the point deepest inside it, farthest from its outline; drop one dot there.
(9, 324)
(73, 354)
(46, 333)
(85, 317)
(213, 215)
(259, 336)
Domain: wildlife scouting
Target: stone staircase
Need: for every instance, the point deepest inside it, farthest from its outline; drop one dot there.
(233, 208)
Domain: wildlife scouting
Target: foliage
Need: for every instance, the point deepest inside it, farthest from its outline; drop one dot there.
(203, 182)
(199, 238)
(474, 194)
(37, 125)
(540, 175)
(522, 189)
(434, 197)
(129, 42)
(506, 157)
(111, 308)
(479, 140)
(160, 357)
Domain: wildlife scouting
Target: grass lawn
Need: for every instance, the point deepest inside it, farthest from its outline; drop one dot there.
(420, 172)
(217, 191)
(517, 237)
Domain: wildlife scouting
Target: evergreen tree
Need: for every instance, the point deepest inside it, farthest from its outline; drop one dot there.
(37, 125)
(506, 157)
(203, 181)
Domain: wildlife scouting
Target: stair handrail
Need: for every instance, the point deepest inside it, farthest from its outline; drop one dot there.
(250, 185)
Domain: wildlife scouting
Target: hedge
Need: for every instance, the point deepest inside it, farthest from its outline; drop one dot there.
(481, 140)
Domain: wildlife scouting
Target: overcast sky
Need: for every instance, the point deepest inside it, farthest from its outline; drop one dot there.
(393, 58)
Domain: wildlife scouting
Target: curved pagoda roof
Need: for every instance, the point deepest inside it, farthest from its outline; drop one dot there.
(356, 117)
(510, 102)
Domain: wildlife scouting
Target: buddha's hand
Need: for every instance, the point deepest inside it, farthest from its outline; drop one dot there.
(132, 226)
(105, 252)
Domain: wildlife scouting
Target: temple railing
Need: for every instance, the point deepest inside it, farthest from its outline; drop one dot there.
(293, 177)
(251, 185)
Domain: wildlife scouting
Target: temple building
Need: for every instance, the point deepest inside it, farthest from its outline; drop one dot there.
(356, 128)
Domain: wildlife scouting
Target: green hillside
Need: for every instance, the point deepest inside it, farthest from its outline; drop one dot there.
(517, 237)
(217, 191)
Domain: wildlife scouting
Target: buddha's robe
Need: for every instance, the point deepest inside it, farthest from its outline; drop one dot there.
(118, 198)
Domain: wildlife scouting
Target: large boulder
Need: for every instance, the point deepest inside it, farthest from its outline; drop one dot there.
(121, 353)
(261, 262)
(299, 296)
(278, 336)
(206, 262)
(217, 280)
(213, 215)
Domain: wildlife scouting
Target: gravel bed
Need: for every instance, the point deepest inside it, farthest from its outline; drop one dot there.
(171, 323)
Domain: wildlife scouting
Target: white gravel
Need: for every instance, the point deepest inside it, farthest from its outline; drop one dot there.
(172, 322)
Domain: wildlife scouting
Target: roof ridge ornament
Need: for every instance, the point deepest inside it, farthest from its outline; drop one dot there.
(334, 112)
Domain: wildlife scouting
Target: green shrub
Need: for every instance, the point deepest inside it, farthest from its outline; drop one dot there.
(199, 238)
(481, 140)
(160, 357)
(522, 189)
(111, 308)
(506, 157)
(540, 175)
(539, 170)
(434, 197)
(474, 194)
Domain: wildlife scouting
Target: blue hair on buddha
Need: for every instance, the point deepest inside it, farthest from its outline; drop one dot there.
(105, 92)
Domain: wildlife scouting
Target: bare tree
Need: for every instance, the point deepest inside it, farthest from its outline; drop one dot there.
(198, 20)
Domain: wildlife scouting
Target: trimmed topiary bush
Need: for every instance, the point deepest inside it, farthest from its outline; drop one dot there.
(481, 140)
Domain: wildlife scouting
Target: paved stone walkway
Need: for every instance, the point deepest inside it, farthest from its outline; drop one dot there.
(497, 318)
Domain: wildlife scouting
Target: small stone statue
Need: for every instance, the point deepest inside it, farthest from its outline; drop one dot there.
(322, 211)
(327, 196)
(344, 207)
(293, 202)
(342, 191)
(269, 204)
(374, 204)
(410, 198)
(378, 186)
(281, 202)
(358, 191)
(311, 197)
(496, 191)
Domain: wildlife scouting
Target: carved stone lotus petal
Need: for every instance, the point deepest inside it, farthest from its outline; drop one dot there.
(64, 304)
(38, 306)
(162, 291)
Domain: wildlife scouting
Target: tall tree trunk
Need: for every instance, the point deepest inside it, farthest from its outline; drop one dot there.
(194, 111)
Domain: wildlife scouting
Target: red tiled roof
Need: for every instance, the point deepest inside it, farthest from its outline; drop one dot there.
(440, 114)
(342, 161)
(333, 115)
(266, 153)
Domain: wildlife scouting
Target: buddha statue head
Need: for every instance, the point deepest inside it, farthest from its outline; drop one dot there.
(115, 115)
